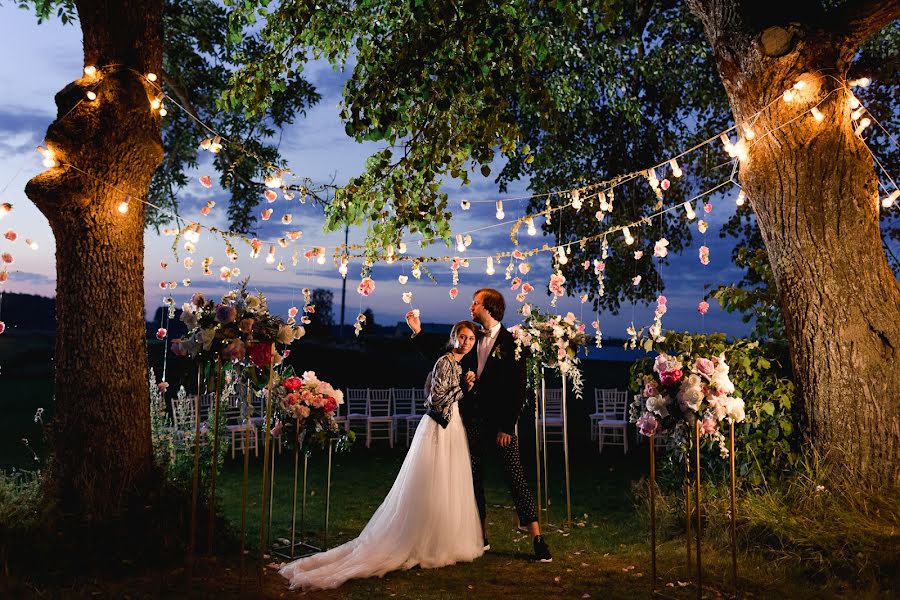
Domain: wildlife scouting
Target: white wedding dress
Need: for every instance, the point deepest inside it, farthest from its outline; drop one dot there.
(429, 518)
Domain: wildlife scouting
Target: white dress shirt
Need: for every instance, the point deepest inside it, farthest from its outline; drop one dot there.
(486, 344)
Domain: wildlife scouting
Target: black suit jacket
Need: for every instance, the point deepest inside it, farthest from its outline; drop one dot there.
(500, 393)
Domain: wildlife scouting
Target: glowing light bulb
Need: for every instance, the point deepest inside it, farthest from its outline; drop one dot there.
(280, 266)
(561, 254)
(151, 76)
(162, 111)
(5, 209)
(853, 101)
(689, 211)
(321, 258)
(91, 95)
(856, 114)
(604, 205)
(676, 172)
(740, 198)
(156, 102)
(270, 258)
(465, 204)
(273, 181)
(789, 95)
(490, 266)
(865, 122)
(748, 132)
(123, 205)
(651, 177)
(531, 228)
(729, 147)
(401, 248)
(460, 246)
(740, 151)
(817, 114)
(500, 213)
(576, 199)
(90, 71)
(627, 233)
(31, 244)
(888, 201)
(49, 158)
(800, 84)
(861, 82)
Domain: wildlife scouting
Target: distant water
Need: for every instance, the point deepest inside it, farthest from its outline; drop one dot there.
(611, 353)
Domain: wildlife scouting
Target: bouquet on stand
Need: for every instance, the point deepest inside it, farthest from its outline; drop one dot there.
(305, 409)
(553, 341)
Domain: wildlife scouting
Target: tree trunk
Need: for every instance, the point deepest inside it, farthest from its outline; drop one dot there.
(106, 149)
(815, 193)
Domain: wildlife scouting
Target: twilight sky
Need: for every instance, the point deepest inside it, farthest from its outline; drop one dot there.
(42, 59)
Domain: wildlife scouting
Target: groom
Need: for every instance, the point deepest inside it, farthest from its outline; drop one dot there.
(490, 414)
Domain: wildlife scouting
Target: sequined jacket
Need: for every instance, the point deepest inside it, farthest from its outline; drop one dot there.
(444, 388)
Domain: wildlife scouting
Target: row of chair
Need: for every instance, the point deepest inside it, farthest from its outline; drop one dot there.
(382, 411)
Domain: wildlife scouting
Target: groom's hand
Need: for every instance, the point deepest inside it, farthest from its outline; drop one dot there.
(503, 439)
(412, 319)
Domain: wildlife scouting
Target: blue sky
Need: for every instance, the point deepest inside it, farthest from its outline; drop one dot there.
(48, 56)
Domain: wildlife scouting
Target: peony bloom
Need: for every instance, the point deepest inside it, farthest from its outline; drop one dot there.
(690, 395)
(225, 314)
(161, 333)
(556, 286)
(647, 424)
(703, 307)
(292, 383)
(515, 283)
(235, 350)
(366, 287)
(735, 409)
(709, 424)
(705, 367)
(246, 325)
(10, 235)
(453, 293)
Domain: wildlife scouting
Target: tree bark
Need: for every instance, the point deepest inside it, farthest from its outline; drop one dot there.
(814, 191)
(106, 149)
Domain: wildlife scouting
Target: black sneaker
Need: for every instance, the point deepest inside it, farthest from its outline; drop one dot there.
(541, 551)
(487, 545)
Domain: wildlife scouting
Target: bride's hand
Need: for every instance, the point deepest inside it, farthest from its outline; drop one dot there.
(414, 322)
(469, 380)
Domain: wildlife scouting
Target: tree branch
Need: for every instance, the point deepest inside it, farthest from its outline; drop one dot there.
(857, 21)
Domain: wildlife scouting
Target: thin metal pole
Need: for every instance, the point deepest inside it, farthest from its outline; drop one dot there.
(245, 431)
(733, 516)
(272, 487)
(215, 462)
(545, 449)
(294, 502)
(303, 505)
(652, 513)
(697, 502)
(195, 492)
(688, 514)
(537, 456)
(566, 453)
(328, 496)
(265, 478)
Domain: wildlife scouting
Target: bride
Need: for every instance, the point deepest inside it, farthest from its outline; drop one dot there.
(429, 518)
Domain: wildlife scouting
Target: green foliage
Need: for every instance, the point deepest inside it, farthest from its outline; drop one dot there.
(767, 443)
(20, 502)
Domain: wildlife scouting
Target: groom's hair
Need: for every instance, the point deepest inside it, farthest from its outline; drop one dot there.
(493, 302)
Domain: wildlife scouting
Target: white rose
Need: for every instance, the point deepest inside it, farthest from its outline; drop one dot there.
(285, 334)
(722, 384)
(736, 409)
(691, 395)
(657, 404)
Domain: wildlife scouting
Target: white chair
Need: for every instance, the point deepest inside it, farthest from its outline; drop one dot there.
(553, 409)
(612, 427)
(412, 421)
(244, 434)
(379, 418)
(600, 396)
(184, 414)
(356, 403)
(404, 400)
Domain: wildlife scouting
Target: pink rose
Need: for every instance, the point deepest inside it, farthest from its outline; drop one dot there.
(707, 207)
(292, 383)
(161, 333)
(310, 308)
(703, 307)
(527, 288)
(453, 293)
(670, 377)
(286, 354)
(330, 404)
(570, 318)
(526, 310)
(515, 283)
(10, 235)
(599, 266)
(556, 286)
(206, 181)
(7, 258)
(366, 286)
(292, 312)
(4, 275)
(705, 367)
(647, 424)
(709, 424)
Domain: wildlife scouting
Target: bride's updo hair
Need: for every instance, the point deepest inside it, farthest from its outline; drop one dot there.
(452, 342)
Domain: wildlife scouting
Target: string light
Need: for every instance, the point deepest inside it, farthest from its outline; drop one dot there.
(49, 158)
(888, 201)
(627, 233)
(561, 254)
(162, 111)
(151, 76)
(853, 101)
(401, 248)
(856, 114)
(861, 82)
(866, 121)
(273, 181)
(321, 258)
(123, 205)
(817, 114)
(799, 84)
(531, 229)
(490, 266)
(270, 258)
(651, 177)
(689, 211)
(748, 132)
(90, 71)
(789, 96)
(676, 172)
(460, 246)
(465, 205)
(604, 205)
(31, 244)
(740, 198)
(343, 268)
(156, 102)
(740, 151)
(500, 213)
(729, 147)
(576, 199)
(91, 95)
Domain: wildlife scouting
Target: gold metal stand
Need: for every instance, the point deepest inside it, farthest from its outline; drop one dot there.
(195, 491)
(652, 513)
(544, 436)
(211, 529)
(246, 478)
(537, 455)
(263, 532)
(688, 514)
(566, 452)
(699, 581)
(733, 514)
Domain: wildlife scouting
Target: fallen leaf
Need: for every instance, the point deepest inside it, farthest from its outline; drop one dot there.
(556, 579)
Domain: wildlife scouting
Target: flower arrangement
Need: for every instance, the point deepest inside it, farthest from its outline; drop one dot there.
(551, 340)
(238, 327)
(305, 409)
(683, 390)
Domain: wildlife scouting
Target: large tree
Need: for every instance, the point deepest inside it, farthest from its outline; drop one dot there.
(106, 149)
(449, 84)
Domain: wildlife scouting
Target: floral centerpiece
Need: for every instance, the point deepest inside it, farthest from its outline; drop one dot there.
(238, 327)
(551, 340)
(305, 410)
(682, 390)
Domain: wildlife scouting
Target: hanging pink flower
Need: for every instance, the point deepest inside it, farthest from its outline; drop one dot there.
(517, 254)
(709, 424)
(163, 285)
(660, 249)
(527, 288)
(453, 293)
(278, 429)
(309, 308)
(707, 207)
(366, 287)
(161, 333)
(265, 214)
(599, 266)
(664, 184)
(7, 258)
(10, 235)
(520, 297)
(557, 282)
(292, 312)
(703, 307)
(524, 268)
(4, 275)
(516, 282)
(570, 318)
(704, 255)
(271, 196)
(526, 309)
(205, 211)
(206, 181)
(599, 215)
(587, 265)
(702, 226)
(638, 254)
(636, 280)
(595, 324)
(584, 298)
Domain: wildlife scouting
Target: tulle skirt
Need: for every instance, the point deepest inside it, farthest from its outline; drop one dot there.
(429, 518)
